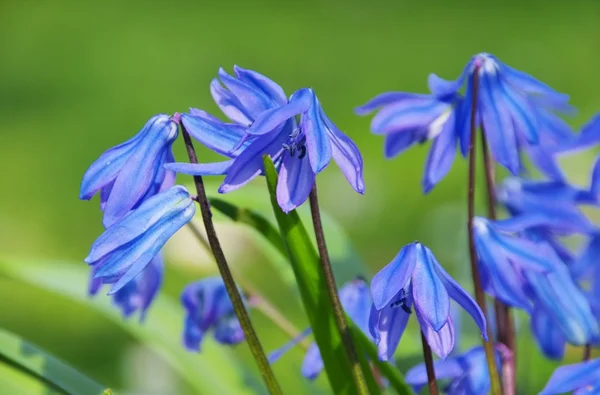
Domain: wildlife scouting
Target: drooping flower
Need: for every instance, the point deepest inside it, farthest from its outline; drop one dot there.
(133, 171)
(467, 372)
(208, 307)
(139, 293)
(504, 257)
(581, 378)
(406, 119)
(356, 301)
(415, 277)
(127, 247)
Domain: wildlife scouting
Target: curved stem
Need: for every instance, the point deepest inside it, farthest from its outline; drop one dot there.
(233, 292)
(431, 383)
(504, 323)
(338, 311)
(479, 294)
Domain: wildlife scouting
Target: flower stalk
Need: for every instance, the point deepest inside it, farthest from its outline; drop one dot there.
(340, 319)
(479, 293)
(232, 290)
(431, 383)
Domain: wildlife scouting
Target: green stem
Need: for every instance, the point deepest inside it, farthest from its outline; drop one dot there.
(232, 290)
(357, 374)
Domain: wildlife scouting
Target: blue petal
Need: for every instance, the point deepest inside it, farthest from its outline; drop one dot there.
(450, 368)
(230, 105)
(355, 297)
(431, 298)
(554, 129)
(414, 113)
(588, 259)
(394, 277)
(462, 297)
(548, 337)
(441, 155)
(270, 88)
(463, 118)
(387, 326)
(587, 138)
(192, 335)
(440, 341)
(200, 169)
(385, 99)
(318, 141)
(346, 155)
(441, 87)
(218, 136)
(270, 119)
(545, 162)
(275, 355)
(295, 182)
(206, 301)
(196, 112)
(523, 115)
(229, 331)
(571, 377)
(396, 143)
(252, 99)
(313, 363)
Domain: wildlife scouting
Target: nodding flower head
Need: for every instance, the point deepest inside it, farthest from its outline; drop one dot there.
(414, 277)
(133, 171)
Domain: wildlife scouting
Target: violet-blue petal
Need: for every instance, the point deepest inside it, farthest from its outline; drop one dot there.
(441, 155)
(385, 99)
(387, 326)
(571, 377)
(414, 113)
(463, 118)
(196, 112)
(192, 335)
(200, 169)
(440, 341)
(206, 301)
(394, 277)
(253, 100)
(522, 113)
(318, 142)
(295, 181)
(217, 136)
(545, 162)
(355, 298)
(275, 355)
(450, 368)
(396, 143)
(270, 119)
(230, 104)
(547, 335)
(270, 88)
(229, 331)
(432, 301)
(441, 87)
(312, 365)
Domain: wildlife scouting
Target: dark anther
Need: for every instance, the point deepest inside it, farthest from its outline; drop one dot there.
(302, 149)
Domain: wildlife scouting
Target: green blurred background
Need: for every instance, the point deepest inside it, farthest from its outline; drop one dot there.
(79, 77)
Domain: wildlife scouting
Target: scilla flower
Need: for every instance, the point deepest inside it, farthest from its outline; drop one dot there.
(139, 293)
(208, 307)
(131, 172)
(125, 249)
(414, 277)
(580, 378)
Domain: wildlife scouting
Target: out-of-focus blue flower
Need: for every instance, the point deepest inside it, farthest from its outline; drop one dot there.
(406, 119)
(415, 276)
(300, 151)
(127, 247)
(207, 307)
(139, 293)
(581, 378)
(504, 257)
(550, 205)
(467, 372)
(513, 108)
(131, 172)
(356, 301)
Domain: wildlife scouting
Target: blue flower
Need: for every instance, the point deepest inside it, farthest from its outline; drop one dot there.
(131, 172)
(514, 109)
(504, 257)
(467, 372)
(300, 151)
(406, 119)
(127, 247)
(208, 307)
(139, 293)
(551, 205)
(547, 334)
(581, 378)
(415, 276)
(587, 138)
(356, 301)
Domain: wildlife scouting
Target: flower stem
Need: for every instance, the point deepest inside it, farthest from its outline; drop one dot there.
(506, 331)
(232, 290)
(431, 383)
(587, 352)
(479, 294)
(340, 319)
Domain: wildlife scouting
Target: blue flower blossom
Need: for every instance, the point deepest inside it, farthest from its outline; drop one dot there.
(356, 301)
(547, 334)
(406, 119)
(415, 277)
(467, 373)
(581, 378)
(133, 171)
(208, 307)
(139, 293)
(127, 247)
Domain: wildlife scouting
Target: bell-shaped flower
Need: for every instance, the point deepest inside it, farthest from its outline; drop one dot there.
(565, 304)
(579, 378)
(415, 277)
(467, 373)
(127, 247)
(547, 334)
(502, 259)
(406, 119)
(208, 307)
(355, 298)
(551, 205)
(131, 172)
(139, 293)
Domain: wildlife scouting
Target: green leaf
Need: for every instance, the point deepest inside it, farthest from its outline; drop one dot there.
(41, 366)
(212, 371)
